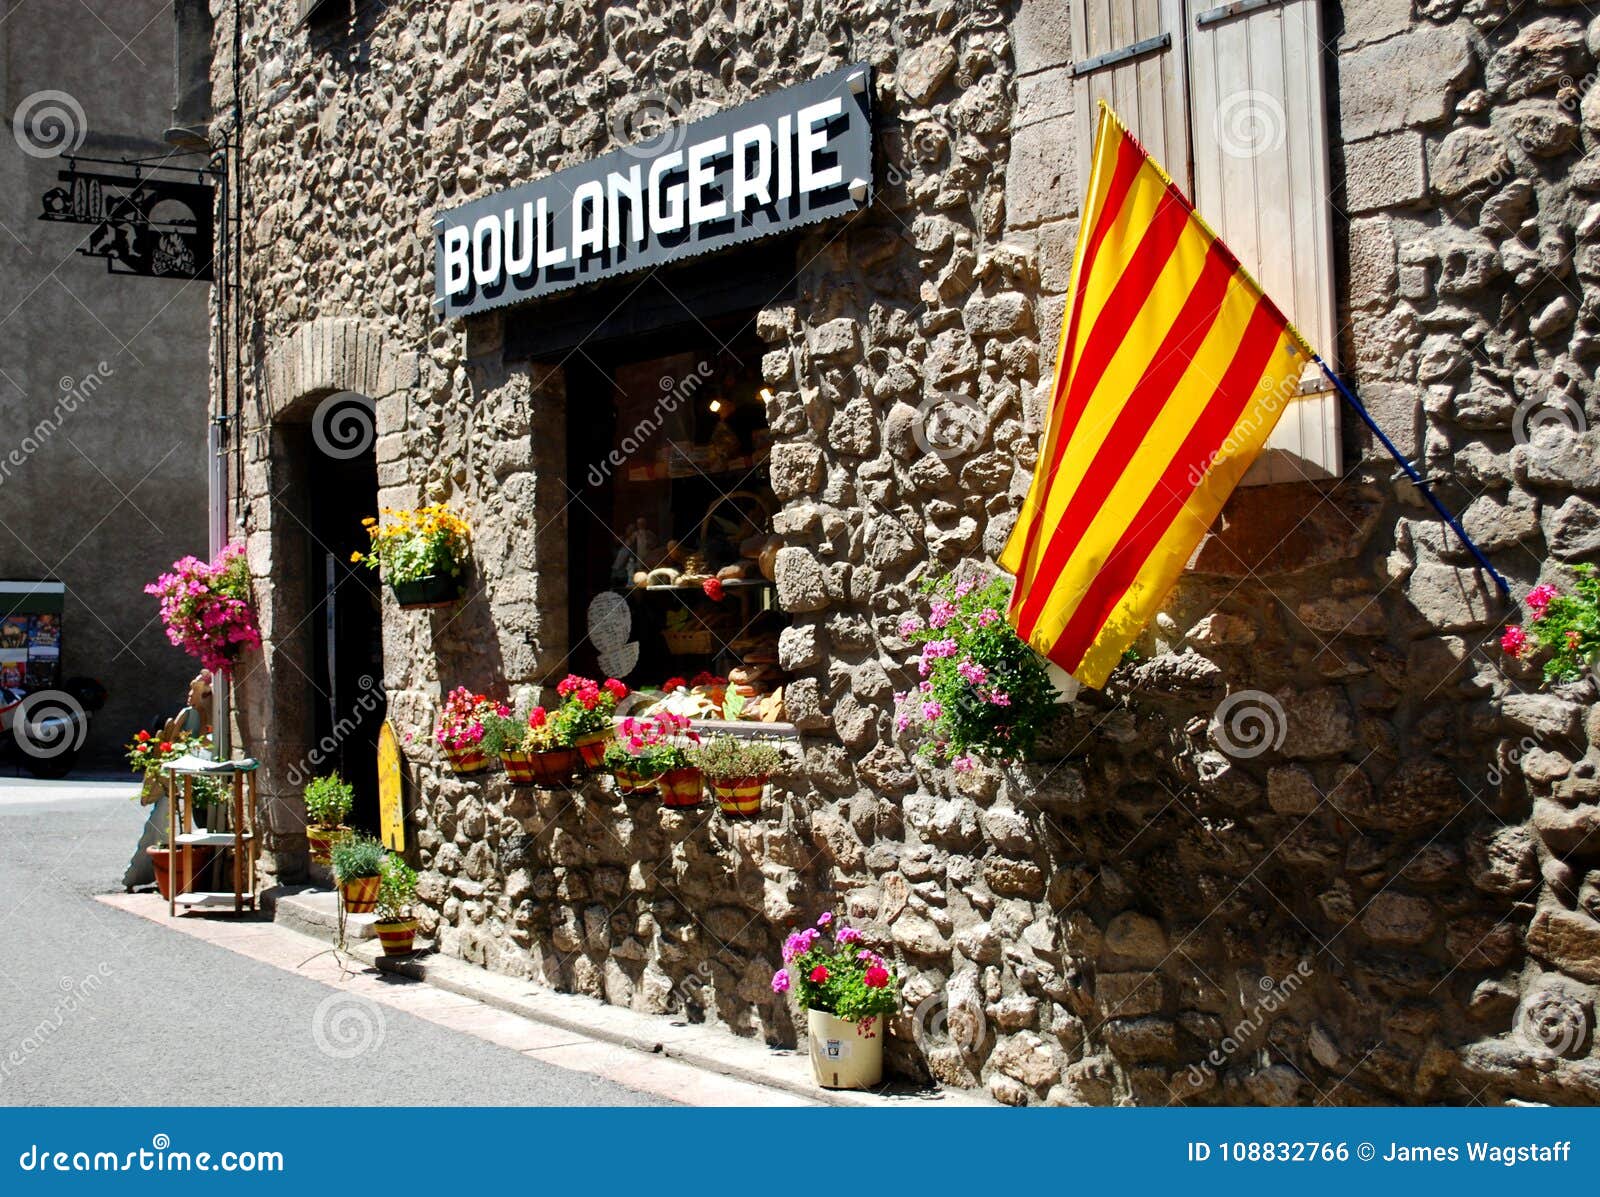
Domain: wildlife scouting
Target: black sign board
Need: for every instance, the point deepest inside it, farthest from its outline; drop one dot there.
(153, 224)
(792, 158)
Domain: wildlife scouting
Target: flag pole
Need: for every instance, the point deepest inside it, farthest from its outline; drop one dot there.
(1411, 472)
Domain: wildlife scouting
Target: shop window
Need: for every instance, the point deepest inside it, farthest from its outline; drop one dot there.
(671, 511)
(1230, 98)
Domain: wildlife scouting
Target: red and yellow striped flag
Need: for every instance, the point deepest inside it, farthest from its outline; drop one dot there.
(1173, 369)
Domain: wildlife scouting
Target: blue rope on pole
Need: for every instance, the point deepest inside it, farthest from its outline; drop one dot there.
(1411, 472)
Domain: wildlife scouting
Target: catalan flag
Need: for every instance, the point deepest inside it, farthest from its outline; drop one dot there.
(1172, 370)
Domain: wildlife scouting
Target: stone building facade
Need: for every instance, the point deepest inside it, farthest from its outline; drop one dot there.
(103, 392)
(1320, 842)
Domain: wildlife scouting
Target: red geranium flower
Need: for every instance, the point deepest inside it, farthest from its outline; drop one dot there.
(713, 589)
(166, 746)
(819, 974)
(144, 735)
(876, 977)
(537, 716)
(673, 683)
(617, 689)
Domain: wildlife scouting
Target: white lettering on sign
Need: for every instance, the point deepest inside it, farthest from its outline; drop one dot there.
(786, 159)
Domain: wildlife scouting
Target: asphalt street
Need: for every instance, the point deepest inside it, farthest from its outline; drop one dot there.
(100, 1007)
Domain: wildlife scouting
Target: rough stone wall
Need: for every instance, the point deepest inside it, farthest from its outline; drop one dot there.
(1317, 844)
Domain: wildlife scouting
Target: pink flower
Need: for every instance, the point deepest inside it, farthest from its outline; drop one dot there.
(988, 616)
(824, 919)
(941, 612)
(964, 764)
(847, 935)
(1539, 598)
(910, 624)
(965, 587)
(1513, 641)
(931, 711)
(972, 671)
(780, 981)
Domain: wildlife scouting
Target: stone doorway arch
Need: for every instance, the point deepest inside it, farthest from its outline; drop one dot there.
(333, 386)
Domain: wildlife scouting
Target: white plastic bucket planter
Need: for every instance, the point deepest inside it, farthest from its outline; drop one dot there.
(845, 1055)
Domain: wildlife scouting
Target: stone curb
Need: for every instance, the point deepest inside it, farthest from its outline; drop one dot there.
(702, 1047)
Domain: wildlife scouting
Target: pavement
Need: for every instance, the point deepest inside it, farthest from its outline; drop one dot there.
(100, 1006)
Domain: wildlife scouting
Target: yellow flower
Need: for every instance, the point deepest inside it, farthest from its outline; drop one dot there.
(355, 557)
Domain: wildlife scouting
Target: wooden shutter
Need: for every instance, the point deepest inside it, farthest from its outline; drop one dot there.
(1129, 53)
(1260, 154)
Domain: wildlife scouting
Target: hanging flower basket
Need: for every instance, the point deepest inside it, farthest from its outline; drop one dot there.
(421, 594)
(206, 607)
(737, 772)
(461, 729)
(592, 749)
(739, 797)
(551, 767)
(629, 782)
(680, 787)
(466, 760)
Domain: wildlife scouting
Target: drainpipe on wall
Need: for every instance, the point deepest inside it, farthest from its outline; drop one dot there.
(217, 509)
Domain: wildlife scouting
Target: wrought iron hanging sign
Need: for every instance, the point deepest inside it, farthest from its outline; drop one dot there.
(150, 221)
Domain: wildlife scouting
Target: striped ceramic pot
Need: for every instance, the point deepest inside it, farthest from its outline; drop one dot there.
(592, 749)
(466, 760)
(739, 797)
(397, 938)
(360, 894)
(679, 787)
(633, 783)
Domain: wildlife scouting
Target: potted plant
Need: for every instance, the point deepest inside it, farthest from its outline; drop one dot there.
(984, 692)
(847, 994)
(421, 554)
(737, 771)
(1566, 626)
(460, 732)
(206, 607)
(358, 870)
(584, 718)
(148, 753)
(328, 801)
(161, 857)
(397, 885)
(529, 748)
(648, 748)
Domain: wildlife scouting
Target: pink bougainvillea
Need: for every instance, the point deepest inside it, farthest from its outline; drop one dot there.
(206, 607)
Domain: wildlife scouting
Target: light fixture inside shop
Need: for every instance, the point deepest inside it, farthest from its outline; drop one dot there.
(714, 406)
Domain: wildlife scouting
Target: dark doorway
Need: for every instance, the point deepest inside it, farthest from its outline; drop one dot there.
(348, 704)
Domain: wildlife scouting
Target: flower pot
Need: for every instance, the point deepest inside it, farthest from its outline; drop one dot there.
(633, 783)
(739, 797)
(360, 894)
(845, 1055)
(471, 759)
(592, 749)
(397, 938)
(680, 787)
(419, 594)
(550, 767)
(322, 839)
(161, 859)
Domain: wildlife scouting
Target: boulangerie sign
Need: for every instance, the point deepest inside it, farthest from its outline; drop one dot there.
(792, 158)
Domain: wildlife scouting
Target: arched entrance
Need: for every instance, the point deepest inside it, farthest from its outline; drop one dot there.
(314, 703)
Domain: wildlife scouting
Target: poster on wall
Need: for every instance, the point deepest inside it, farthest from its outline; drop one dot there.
(30, 633)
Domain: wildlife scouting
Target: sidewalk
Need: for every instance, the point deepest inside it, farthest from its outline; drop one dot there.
(698, 1065)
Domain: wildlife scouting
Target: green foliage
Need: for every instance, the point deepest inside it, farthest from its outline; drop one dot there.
(357, 856)
(1567, 626)
(984, 691)
(534, 732)
(724, 757)
(850, 981)
(328, 800)
(398, 885)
